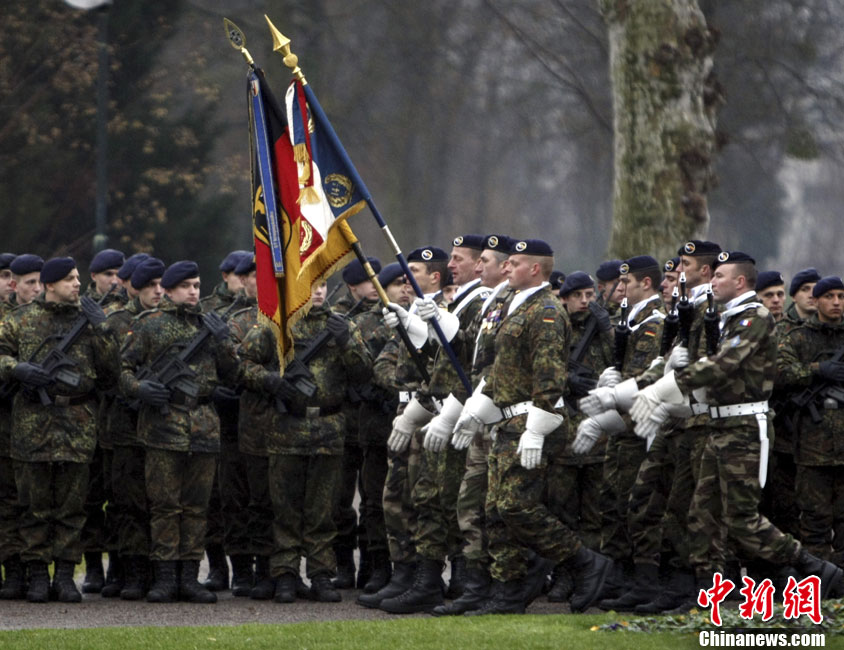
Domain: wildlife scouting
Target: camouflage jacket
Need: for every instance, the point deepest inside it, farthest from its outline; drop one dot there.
(120, 423)
(246, 309)
(334, 369)
(790, 320)
(343, 304)
(252, 411)
(488, 323)
(800, 351)
(5, 405)
(219, 299)
(55, 433)
(115, 300)
(644, 341)
(744, 368)
(185, 428)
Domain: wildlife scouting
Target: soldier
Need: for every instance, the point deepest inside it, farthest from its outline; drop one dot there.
(53, 443)
(670, 279)
(803, 303)
(26, 276)
(182, 442)
(224, 292)
(770, 287)
(7, 289)
(124, 274)
(104, 280)
(733, 464)
(609, 288)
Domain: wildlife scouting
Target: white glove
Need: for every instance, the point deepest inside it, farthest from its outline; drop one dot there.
(679, 358)
(591, 429)
(479, 408)
(597, 401)
(656, 362)
(438, 430)
(464, 435)
(648, 399)
(650, 427)
(539, 424)
(427, 309)
(414, 416)
(610, 377)
(417, 330)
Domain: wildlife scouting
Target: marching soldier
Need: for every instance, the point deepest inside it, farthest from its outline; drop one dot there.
(770, 287)
(803, 303)
(26, 276)
(124, 274)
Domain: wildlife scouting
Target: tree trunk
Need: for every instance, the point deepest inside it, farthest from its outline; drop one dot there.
(665, 97)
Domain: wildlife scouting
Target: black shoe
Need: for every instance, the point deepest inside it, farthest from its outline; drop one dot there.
(507, 598)
(39, 582)
(265, 586)
(189, 587)
(345, 568)
(94, 576)
(810, 565)
(381, 572)
(616, 582)
(425, 593)
(135, 577)
(64, 588)
(285, 588)
(475, 593)
(114, 577)
(645, 588)
(14, 586)
(534, 581)
(401, 581)
(218, 568)
(165, 588)
(323, 590)
(457, 582)
(589, 571)
(562, 585)
(243, 576)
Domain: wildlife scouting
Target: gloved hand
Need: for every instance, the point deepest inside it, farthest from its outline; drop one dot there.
(416, 328)
(338, 327)
(601, 315)
(224, 394)
(610, 377)
(93, 312)
(580, 385)
(679, 358)
(414, 416)
(597, 401)
(831, 370)
(427, 309)
(649, 427)
(216, 325)
(438, 430)
(591, 429)
(465, 433)
(279, 386)
(478, 411)
(648, 399)
(153, 393)
(530, 449)
(31, 374)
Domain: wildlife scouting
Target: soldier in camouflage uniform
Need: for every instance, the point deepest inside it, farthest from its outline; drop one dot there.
(124, 274)
(770, 287)
(609, 289)
(52, 445)
(734, 460)
(26, 278)
(181, 443)
(803, 303)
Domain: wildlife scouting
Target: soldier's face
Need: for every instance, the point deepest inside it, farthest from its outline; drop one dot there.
(150, 295)
(804, 299)
(462, 265)
(426, 281)
(632, 289)
(185, 293)
(669, 281)
(105, 281)
(489, 269)
(250, 284)
(6, 285)
(579, 300)
(27, 287)
(364, 289)
(319, 294)
(831, 306)
(523, 272)
(691, 266)
(398, 291)
(725, 283)
(65, 290)
(232, 281)
(774, 299)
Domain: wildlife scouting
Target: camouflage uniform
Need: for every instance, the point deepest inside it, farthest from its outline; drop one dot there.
(52, 446)
(820, 446)
(10, 512)
(181, 445)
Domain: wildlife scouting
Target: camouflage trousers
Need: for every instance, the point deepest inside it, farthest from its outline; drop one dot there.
(625, 453)
(725, 505)
(779, 496)
(434, 495)
(399, 514)
(178, 489)
(820, 494)
(99, 533)
(52, 501)
(10, 511)
(517, 517)
(345, 515)
(471, 501)
(234, 498)
(259, 531)
(373, 476)
(215, 527)
(303, 489)
(128, 471)
(574, 496)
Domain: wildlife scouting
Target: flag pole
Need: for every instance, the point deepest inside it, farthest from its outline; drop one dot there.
(281, 44)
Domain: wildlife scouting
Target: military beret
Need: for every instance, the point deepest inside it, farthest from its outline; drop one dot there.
(828, 283)
(389, 274)
(802, 277)
(427, 254)
(556, 280)
(767, 279)
(178, 272)
(230, 261)
(576, 281)
(475, 242)
(499, 243)
(146, 272)
(26, 263)
(671, 265)
(608, 270)
(354, 273)
(731, 257)
(638, 263)
(6, 259)
(698, 247)
(246, 265)
(130, 265)
(107, 259)
(56, 269)
(531, 247)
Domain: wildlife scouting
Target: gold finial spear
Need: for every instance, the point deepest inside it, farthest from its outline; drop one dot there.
(238, 40)
(282, 44)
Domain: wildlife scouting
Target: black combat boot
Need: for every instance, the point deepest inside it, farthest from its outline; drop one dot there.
(381, 572)
(114, 577)
(365, 566)
(457, 582)
(476, 592)
(425, 593)
(189, 587)
(218, 568)
(507, 598)
(94, 576)
(14, 586)
(265, 585)
(285, 588)
(39, 582)
(243, 576)
(562, 585)
(400, 582)
(645, 588)
(345, 568)
(64, 588)
(589, 571)
(135, 577)
(165, 589)
(533, 583)
(323, 590)
(810, 565)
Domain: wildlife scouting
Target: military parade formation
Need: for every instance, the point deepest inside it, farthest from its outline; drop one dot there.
(611, 439)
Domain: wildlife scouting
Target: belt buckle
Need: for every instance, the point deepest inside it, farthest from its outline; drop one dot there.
(311, 412)
(61, 400)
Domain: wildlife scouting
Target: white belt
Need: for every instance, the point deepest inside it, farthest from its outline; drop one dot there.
(406, 395)
(699, 409)
(516, 409)
(735, 410)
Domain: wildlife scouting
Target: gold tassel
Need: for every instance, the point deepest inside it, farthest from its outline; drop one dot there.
(300, 155)
(308, 195)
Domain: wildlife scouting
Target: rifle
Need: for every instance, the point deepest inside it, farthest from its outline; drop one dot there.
(576, 367)
(820, 391)
(685, 312)
(671, 325)
(333, 293)
(711, 325)
(57, 364)
(622, 334)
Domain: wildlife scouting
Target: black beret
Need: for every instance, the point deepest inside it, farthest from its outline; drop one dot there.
(828, 283)
(146, 272)
(354, 274)
(475, 242)
(230, 261)
(26, 263)
(698, 247)
(576, 281)
(638, 263)
(802, 277)
(107, 259)
(499, 243)
(427, 254)
(731, 257)
(179, 271)
(671, 265)
(389, 273)
(246, 265)
(531, 247)
(6, 259)
(767, 279)
(56, 269)
(608, 270)
(130, 264)
(556, 280)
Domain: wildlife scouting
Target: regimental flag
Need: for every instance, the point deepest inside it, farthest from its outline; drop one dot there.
(302, 196)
